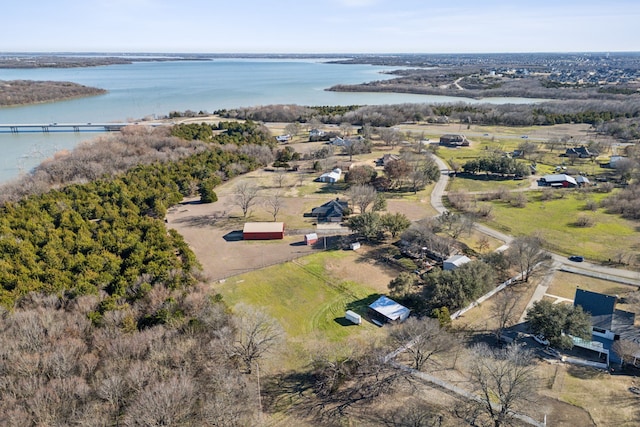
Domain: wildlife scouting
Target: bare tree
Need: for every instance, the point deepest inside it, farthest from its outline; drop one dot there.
(280, 177)
(293, 129)
(345, 128)
(455, 224)
(422, 339)
(390, 136)
(627, 350)
(504, 309)
(274, 203)
(505, 379)
(245, 196)
(527, 253)
(256, 333)
(362, 196)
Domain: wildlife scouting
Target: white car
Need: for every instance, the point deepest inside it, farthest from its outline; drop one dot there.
(540, 339)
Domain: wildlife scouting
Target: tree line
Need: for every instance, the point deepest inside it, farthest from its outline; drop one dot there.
(606, 116)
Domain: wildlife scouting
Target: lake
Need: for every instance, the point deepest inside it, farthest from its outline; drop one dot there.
(153, 89)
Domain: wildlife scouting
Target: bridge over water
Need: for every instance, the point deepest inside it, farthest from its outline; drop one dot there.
(66, 127)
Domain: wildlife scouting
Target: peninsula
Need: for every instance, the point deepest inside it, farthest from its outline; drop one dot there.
(24, 92)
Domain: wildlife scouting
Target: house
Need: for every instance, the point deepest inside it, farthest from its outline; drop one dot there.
(608, 324)
(330, 177)
(263, 230)
(451, 140)
(332, 211)
(345, 142)
(283, 138)
(385, 310)
(581, 152)
(386, 159)
(612, 161)
(558, 180)
(315, 133)
(455, 261)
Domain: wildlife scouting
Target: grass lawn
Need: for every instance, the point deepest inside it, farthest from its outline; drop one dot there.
(303, 296)
(480, 183)
(554, 220)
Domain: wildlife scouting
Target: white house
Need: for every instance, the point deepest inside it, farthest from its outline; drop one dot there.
(331, 177)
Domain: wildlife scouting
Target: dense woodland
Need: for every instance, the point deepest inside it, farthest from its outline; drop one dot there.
(21, 92)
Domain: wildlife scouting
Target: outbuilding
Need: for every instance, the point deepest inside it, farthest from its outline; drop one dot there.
(330, 177)
(454, 262)
(558, 180)
(310, 239)
(263, 231)
(385, 310)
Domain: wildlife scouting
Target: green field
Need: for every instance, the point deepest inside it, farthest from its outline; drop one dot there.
(555, 220)
(303, 297)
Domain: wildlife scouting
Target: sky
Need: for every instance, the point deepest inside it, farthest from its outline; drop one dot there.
(320, 26)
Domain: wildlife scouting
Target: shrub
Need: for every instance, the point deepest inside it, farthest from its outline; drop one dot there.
(584, 221)
(591, 205)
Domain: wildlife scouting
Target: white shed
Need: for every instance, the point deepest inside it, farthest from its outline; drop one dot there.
(353, 317)
(455, 261)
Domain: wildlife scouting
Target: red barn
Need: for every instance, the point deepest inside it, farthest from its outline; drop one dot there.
(263, 231)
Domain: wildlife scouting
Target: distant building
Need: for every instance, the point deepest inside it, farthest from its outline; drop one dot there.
(331, 177)
(558, 180)
(315, 133)
(387, 158)
(283, 138)
(263, 231)
(583, 181)
(581, 152)
(454, 140)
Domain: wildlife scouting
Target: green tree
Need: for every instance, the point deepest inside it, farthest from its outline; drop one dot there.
(403, 285)
(555, 320)
(368, 225)
(395, 223)
(207, 195)
(380, 203)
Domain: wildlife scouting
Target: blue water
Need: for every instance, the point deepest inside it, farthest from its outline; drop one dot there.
(153, 89)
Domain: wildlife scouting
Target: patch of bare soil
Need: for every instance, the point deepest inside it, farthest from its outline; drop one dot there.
(362, 269)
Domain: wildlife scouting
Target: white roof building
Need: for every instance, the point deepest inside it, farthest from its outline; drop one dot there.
(384, 310)
(333, 176)
(455, 261)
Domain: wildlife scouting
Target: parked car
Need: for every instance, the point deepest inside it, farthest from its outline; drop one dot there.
(576, 258)
(540, 339)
